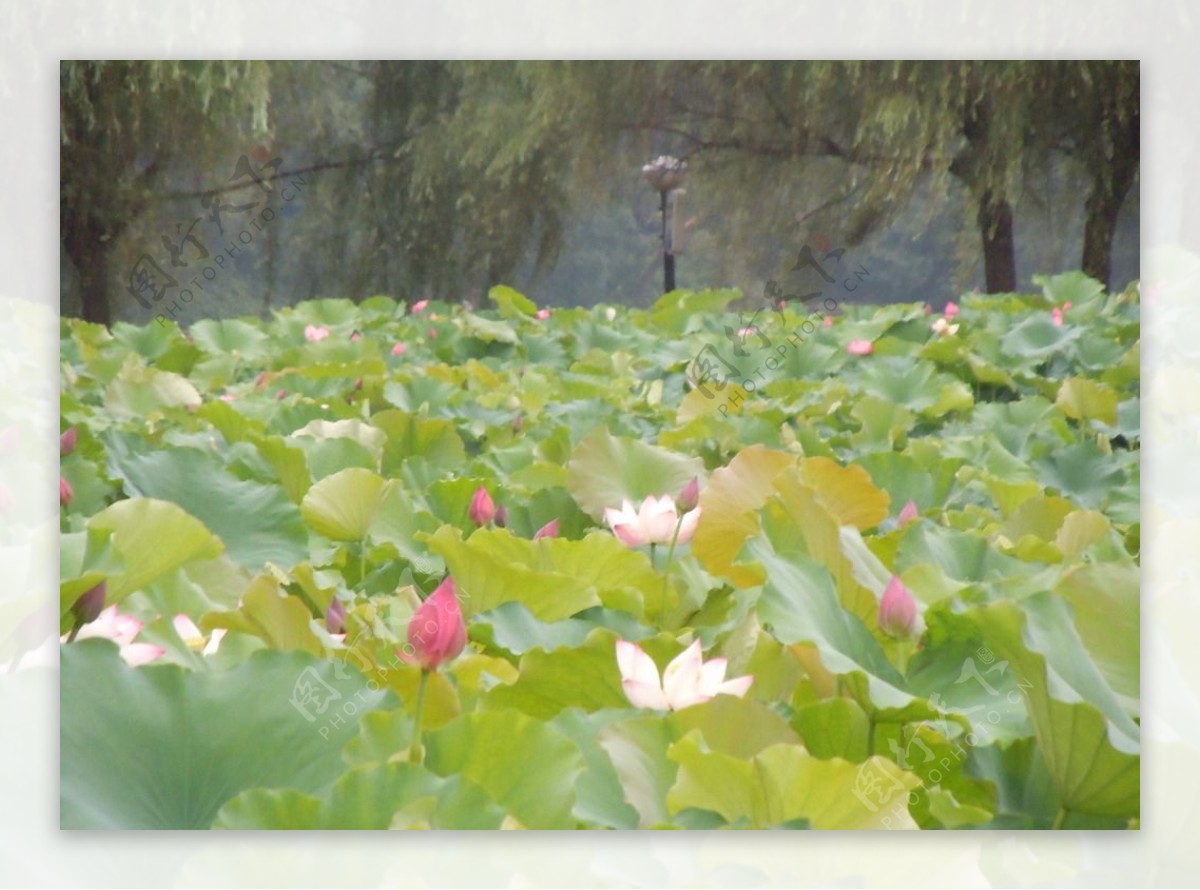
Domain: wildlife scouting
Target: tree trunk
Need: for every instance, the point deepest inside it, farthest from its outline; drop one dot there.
(86, 248)
(999, 253)
(1111, 183)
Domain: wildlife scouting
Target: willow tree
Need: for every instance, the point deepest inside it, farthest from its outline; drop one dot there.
(123, 126)
(890, 127)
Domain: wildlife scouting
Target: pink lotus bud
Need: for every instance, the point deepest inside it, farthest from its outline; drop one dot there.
(315, 333)
(501, 519)
(543, 314)
(690, 496)
(908, 513)
(897, 610)
(828, 322)
(549, 530)
(860, 347)
(1056, 316)
(928, 309)
(355, 337)
(261, 380)
(66, 442)
(335, 617)
(1066, 305)
(89, 606)
(951, 310)
(399, 349)
(419, 305)
(436, 632)
(518, 423)
(282, 394)
(64, 491)
(432, 333)
(483, 508)
(358, 384)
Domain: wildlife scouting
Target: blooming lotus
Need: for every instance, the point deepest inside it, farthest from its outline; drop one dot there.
(688, 679)
(121, 629)
(943, 327)
(315, 333)
(653, 523)
(436, 631)
(419, 305)
(951, 310)
(860, 347)
(897, 610)
(483, 508)
(195, 640)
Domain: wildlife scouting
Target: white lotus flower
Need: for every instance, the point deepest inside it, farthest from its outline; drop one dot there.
(688, 679)
(653, 523)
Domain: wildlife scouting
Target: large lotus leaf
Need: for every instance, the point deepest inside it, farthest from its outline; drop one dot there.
(411, 436)
(256, 522)
(343, 506)
(265, 611)
(525, 766)
(552, 577)
(785, 783)
(1090, 744)
(394, 795)
(584, 677)
(143, 392)
(230, 335)
(511, 303)
(149, 538)
(730, 504)
(164, 747)
(605, 470)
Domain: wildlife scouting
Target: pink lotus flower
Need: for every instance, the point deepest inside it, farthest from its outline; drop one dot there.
(549, 530)
(436, 632)
(399, 349)
(65, 492)
(226, 397)
(951, 310)
(194, 638)
(419, 305)
(121, 629)
(543, 314)
(908, 513)
(653, 523)
(315, 334)
(897, 610)
(827, 322)
(860, 347)
(66, 442)
(355, 337)
(688, 679)
(483, 508)
(1056, 316)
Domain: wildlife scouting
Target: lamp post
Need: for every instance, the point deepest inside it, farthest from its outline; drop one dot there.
(665, 174)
